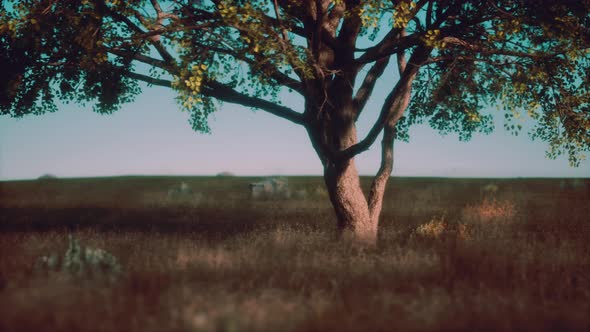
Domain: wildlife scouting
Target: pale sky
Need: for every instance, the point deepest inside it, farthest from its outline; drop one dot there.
(152, 137)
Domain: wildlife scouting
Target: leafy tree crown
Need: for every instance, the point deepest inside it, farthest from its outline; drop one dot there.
(530, 57)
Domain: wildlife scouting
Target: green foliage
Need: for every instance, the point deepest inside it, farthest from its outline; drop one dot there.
(54, 51)
(534, 65)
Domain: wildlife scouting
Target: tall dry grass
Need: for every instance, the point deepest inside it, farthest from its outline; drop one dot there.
(449, 259)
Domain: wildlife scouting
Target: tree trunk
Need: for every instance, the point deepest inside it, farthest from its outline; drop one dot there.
(349, 202)
(332, 116)
(358, 218)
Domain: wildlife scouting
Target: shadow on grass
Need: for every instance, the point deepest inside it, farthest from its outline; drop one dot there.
(206, 221)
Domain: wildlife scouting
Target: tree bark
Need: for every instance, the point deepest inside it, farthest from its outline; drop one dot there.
(382, 177)
(330, 116)
(358, 217)
(349, 202)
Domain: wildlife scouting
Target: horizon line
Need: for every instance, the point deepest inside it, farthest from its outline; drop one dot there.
(277, 175)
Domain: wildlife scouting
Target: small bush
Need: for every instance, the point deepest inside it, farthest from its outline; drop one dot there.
(80, 260)
(490, 211)
(47, 177)
(440, 228)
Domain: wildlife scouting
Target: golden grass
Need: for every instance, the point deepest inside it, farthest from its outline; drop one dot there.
(490, 210)
(446, 261)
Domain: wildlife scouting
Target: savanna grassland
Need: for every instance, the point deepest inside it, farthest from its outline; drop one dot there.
(453, 255)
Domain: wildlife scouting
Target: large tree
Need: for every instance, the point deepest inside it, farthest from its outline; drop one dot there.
(445, 61)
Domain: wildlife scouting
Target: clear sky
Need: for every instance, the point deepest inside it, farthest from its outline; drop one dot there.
(151, 136)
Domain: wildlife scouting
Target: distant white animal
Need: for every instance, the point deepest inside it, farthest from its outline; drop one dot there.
(273, 187)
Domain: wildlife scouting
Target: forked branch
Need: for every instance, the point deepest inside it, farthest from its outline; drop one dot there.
(394, 106)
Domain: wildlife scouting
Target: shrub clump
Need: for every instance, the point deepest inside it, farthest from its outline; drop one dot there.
(80, 260)
(47, 176)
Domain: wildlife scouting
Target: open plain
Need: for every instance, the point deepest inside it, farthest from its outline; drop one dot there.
(453, 255)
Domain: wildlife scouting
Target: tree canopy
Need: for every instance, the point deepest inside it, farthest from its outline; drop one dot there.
(530, 57)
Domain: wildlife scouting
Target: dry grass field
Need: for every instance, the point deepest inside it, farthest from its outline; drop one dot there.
(453, 255)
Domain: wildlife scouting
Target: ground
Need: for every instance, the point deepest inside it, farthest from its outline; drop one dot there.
(453, 255)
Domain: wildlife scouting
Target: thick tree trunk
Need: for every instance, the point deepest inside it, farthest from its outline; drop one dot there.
(349, 202)
(358, 218)
(331, 113)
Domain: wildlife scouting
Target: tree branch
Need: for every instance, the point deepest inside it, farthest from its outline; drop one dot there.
(394, 106)
(275, 74)
(153, 39)
(391, 44)
(278, 15)
(479, 49)
(138, 57)
(286, 47)
(149, 79)
(364, 92)
(118, 17)
(401, 57)
(224, 93)
(429, 15)
(377, 191)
